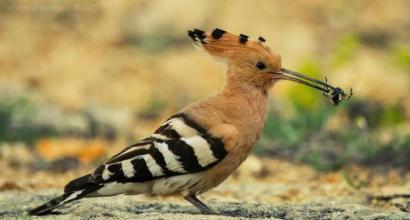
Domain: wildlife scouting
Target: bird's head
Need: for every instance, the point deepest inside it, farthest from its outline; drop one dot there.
(253, 63)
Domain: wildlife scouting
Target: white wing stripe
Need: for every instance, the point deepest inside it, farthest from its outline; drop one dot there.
(153, 167)
(181, 128)
(202, 150)
(159, 136)
(134, 148)
(106, 173)
(128, 168)
(72, 196)
(171, 159)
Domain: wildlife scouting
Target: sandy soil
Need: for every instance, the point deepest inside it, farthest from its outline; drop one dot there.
(13, 205)
(260, 189)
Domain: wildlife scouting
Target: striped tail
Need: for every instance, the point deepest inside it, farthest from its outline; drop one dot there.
(74, 190)
(47, 207)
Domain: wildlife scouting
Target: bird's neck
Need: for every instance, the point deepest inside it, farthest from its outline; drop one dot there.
(239, 103)
(244, 107)
(246, 100)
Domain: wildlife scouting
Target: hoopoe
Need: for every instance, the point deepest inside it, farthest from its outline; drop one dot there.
(196, 149)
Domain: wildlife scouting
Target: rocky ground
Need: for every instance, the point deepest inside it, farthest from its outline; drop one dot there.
(260, 189)
(13, 205)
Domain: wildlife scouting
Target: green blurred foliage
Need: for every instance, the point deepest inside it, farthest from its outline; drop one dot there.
(157, 41)
(391, 115)
(17, 121)
(303, 137)
(401, 55)
(154, 108)
(345, 50)
(321, 162)
(377, 115)
(296, 129)
(302, 96)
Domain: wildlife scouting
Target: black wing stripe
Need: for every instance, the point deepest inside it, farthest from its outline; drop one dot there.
(168, 132)
(170, 156)
(132, 170)
(176, 128)
(160, 160)
(172, 161)
(114, 158)
(116, 173)
(97, 174)
(186, 155)
(217, 147)
(141, 169)
(192, 123)
(129, 155)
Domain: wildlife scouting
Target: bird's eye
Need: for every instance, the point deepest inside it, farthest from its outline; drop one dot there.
(260, 65)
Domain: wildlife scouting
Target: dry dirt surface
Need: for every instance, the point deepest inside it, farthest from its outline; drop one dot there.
(14, 204)
(260, 189)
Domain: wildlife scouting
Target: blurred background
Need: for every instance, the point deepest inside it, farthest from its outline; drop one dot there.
(80, 80)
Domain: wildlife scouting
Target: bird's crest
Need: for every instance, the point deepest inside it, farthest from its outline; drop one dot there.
(223, 44)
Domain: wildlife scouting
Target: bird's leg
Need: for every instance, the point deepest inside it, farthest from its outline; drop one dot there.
(200, 205)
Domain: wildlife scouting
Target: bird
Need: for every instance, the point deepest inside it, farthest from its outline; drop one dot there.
(202, 144)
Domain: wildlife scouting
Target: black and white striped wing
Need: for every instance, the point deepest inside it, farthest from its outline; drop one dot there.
(179, 146)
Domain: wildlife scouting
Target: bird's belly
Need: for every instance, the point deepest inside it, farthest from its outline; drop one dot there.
(197, 183)
(181, 184)
(115, 188)
(220, 172)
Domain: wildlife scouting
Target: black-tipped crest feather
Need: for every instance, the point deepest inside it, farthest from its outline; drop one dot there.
(243, 38)
(217, 33)
(197, 34)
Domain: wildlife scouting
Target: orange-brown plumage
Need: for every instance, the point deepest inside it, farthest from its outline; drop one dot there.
(237, 113)
(200, 146)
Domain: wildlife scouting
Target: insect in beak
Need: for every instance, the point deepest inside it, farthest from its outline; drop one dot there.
(335, 94)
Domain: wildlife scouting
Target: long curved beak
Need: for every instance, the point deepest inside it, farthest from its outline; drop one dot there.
(337, 93)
